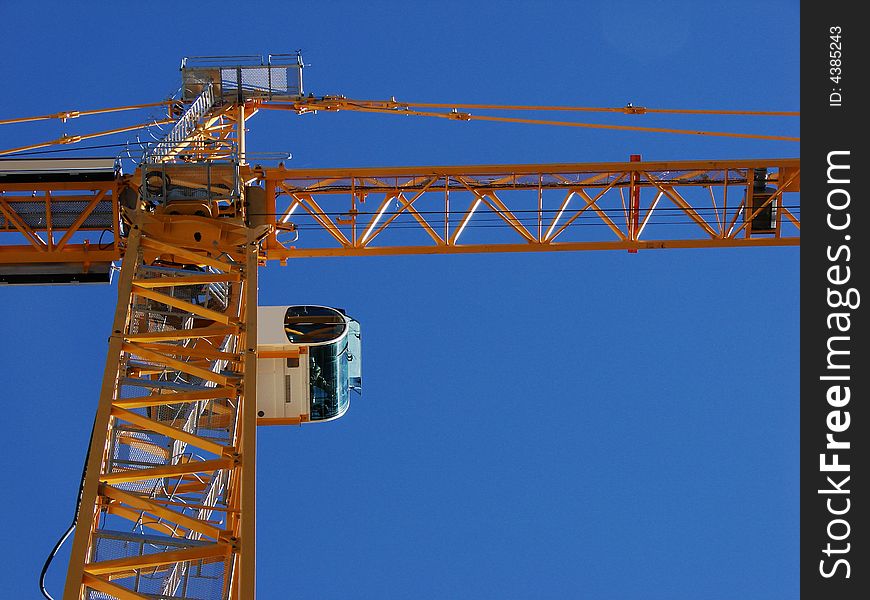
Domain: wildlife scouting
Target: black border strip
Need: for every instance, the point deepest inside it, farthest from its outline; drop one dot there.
(834, 336)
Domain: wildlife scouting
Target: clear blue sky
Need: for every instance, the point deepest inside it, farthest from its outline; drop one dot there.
(568, 425)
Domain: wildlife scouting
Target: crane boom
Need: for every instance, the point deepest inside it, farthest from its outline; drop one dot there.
(530, 208)
(436, 209)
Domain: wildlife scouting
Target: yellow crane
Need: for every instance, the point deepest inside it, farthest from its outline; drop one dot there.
(168, 497)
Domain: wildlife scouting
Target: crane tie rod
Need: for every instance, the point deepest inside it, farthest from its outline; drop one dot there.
(73, 139)
(628, 109)
(392, 107)
(73, 114)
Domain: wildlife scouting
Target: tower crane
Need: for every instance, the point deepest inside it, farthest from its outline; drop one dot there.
(167, 504)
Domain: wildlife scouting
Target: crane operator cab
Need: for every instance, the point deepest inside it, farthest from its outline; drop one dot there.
(308, 361)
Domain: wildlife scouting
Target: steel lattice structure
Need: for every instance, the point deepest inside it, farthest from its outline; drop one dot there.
(168, 506)
(592, 206)
(169, 495)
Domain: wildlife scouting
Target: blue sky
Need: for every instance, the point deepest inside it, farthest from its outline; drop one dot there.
(597, 425)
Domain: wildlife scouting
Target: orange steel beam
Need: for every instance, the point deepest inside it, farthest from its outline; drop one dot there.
(526, 208)
(509, 170)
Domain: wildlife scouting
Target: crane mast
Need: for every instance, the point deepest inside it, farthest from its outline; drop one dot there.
(168, 502)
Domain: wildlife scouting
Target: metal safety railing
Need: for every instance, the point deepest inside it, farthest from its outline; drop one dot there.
(183, 128)
(202, 188)
(238, 78)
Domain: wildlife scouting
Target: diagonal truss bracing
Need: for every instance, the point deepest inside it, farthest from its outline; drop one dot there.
(44, 221)
(167, 509)
(507, 208)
